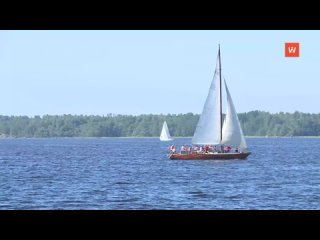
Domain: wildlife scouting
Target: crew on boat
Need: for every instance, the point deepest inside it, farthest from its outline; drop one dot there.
(183, 149)
(206, 148)
(196, 149)
(222, 149)
(201, 149)
(172, 149)
(227, 149)
(213, 149)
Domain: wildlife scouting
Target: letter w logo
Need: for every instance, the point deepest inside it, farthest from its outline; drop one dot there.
(292, 50)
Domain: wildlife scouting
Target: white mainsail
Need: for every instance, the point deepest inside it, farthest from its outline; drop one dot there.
(208, 130)
(165, 134)
(232, 134)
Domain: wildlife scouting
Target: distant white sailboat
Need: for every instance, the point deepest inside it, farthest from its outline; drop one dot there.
(165, 134)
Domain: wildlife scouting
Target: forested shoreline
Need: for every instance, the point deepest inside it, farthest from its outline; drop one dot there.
(254, 123)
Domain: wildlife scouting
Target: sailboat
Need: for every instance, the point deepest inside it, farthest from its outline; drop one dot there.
(165, 134)
(212, 131)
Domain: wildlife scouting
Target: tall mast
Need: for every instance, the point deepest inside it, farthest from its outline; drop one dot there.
(220, 96)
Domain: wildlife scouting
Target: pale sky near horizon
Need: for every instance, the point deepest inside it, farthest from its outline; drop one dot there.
(142, 72)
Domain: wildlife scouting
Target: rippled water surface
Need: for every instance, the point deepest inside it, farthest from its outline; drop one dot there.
(115, 173)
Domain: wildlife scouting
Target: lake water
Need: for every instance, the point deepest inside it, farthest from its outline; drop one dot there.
(115, 173)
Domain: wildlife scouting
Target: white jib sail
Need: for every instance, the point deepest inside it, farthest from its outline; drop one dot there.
(232, 134)
(165, 134)
(208, 130)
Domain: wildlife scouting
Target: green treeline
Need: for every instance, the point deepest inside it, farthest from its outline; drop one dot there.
(254, 123)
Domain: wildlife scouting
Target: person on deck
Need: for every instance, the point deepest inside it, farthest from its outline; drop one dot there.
(214, 149)
(228, 148)
(206, 148)
(222, 149)
(183, 148)
(172, 149)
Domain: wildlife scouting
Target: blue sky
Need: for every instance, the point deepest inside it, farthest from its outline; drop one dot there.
(142, 72)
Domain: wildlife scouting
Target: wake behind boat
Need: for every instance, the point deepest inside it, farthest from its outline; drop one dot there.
(214, 140)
